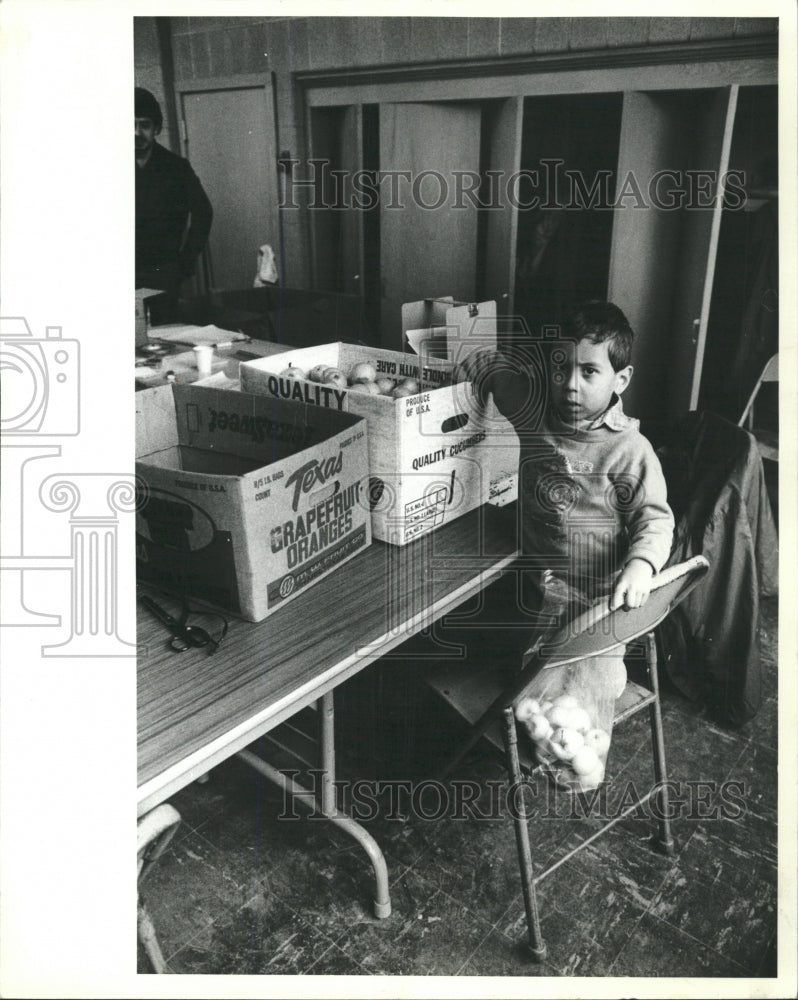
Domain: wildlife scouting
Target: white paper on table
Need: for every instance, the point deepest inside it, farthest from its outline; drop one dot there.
(179, 333)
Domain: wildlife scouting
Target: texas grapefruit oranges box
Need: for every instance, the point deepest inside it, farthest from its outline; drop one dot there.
(245, 501)
(433, 451)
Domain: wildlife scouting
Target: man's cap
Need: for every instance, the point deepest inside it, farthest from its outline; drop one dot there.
(147, 107)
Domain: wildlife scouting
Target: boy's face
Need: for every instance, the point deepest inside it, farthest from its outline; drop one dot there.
(589, 382)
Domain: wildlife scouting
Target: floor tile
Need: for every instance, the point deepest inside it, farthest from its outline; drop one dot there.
(190, 886)
(750, 840)
(757, 769)
(264, 937)
(584, 936)
(713, 860)
(428, 932)
(764, 728)
(332, 886)
(624, 862)
(699, 751)
(655, 945)
(768, 967)
(335, 963)
(501, 955)
(734, 919)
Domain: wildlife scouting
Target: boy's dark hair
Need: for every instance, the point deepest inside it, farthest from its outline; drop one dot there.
(599, 321)
(146, 106)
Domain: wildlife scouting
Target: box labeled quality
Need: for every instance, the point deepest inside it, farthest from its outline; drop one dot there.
(432, 452)
(245, 501)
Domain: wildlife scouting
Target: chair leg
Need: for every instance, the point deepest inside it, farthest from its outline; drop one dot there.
(535, 943)
(665, 842)
(149, 941)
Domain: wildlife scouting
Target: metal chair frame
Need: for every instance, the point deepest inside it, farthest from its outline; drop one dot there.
(153, 835)
(569, 645)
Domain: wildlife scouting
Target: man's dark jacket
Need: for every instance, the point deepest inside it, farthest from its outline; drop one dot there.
(168, 193)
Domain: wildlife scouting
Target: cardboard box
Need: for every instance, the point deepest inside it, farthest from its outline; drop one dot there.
(246, 501)
(432, 455)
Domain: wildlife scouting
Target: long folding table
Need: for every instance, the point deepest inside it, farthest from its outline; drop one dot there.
(195, 710)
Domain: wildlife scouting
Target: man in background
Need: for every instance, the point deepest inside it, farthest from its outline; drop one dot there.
(173, 213)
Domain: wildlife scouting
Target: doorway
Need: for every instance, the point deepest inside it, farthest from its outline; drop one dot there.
(569, 156)
(229, 137)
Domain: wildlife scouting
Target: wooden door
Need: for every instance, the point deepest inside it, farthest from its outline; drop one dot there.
(504, 126)
(662, 259)
(336, 140)
(428, 237)
(229, 137)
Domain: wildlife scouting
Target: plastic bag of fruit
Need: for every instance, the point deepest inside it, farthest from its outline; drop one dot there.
(567, 711)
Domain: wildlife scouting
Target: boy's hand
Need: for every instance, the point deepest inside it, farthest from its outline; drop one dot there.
(479, 367)
(633, 585)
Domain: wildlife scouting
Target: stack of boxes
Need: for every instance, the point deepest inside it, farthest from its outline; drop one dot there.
(258, 475)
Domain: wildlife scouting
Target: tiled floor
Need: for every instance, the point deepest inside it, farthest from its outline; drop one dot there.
(241, 891)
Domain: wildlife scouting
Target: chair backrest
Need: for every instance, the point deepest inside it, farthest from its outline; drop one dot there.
(598, 630)
(770, 373)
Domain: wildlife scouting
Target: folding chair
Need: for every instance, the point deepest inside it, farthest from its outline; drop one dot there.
(154, 832)
(478, 698)
(767, 439)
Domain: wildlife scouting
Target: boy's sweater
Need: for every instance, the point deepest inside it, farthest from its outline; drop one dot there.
(591, 500)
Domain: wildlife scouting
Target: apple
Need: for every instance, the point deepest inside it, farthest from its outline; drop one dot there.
(316, 374)
(618, 676)
(539, 728)
(402, 390)
(334, 376)
(365, 388)
(592, 780)
(411, 384)
(559, 717)
(363, 372)
(385, 385)
(292, 372)
(569, 740)
(566, 701)
(598, 739)
(558, 750)
(580, 719)
(526, 708)
(585, 760)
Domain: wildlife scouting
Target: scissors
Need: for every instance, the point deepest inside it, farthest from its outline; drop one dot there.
(184, 636)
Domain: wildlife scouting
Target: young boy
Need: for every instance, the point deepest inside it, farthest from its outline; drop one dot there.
(594, 512)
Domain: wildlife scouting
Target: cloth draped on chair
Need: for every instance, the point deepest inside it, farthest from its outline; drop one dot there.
(716, 489)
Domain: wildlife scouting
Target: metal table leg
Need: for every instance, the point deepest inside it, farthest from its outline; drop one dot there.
(329, 808)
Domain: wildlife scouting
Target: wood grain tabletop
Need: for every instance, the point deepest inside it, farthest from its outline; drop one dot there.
(195, 708)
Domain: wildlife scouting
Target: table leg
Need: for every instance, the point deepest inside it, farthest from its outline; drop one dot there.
(329, 808)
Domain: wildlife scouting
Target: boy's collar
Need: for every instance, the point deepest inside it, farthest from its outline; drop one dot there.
(614, 417)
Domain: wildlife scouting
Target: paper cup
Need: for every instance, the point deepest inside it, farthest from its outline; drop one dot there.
(203, 354)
